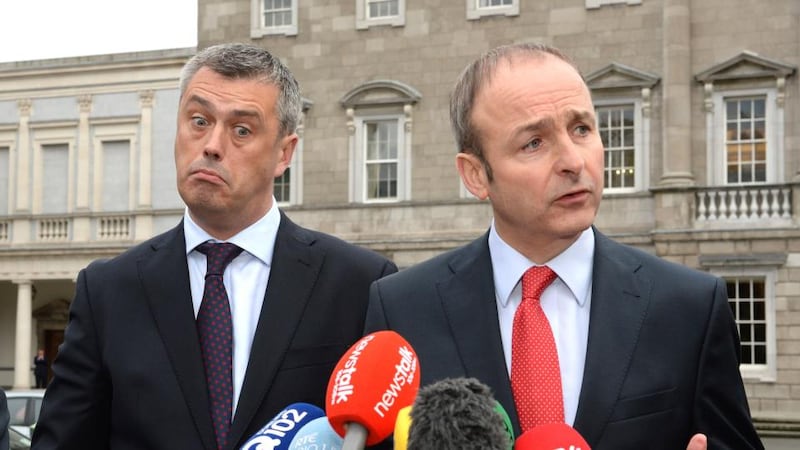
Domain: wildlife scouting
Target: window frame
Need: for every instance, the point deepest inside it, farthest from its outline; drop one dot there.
(767, 372)
(640, 143)
(363, 21)
(257, 27)
(716, 131)
(476, 12)
(361, 178)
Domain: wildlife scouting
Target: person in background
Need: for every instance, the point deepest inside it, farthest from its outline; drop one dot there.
(5, 419)
(197, 337)
(563, 323)
(40, 369)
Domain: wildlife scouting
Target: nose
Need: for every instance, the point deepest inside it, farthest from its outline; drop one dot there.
(570, 157)
(214, 147)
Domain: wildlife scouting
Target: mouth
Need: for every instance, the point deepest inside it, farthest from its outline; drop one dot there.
(207, 175)
(578, 195)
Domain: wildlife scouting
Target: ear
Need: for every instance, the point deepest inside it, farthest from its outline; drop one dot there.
(286, 147)
(473, 174)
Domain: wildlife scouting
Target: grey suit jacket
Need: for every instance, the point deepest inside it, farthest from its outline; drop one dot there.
(130, 375)
(662, 357)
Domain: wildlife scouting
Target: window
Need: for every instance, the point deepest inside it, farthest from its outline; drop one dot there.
(381, 160)
(745, 139)
(379, 124)
(750, 299)
(592, 4)
(744, 105)
(270, 17)
(480, 8)
(380, 12)
(616, 127)
(288, 188)
(622, 97)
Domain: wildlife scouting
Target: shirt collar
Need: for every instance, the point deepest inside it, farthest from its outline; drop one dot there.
(251, 239)
(573, 266)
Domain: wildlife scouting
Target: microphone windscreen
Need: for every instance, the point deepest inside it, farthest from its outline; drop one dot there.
(551, 436)
(498, 408)
(457, 413)
(277, 434)
(401, 426)
(373, 380)
(317, 435)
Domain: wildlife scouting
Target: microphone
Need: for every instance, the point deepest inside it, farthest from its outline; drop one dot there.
(458, 414)
(372, 381)
(279, 431)
(551, 436)
(316, 435)
(401, 426)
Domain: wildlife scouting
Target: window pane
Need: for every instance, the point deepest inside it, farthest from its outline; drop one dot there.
(283, 186)
(745, 295)
(616, 129)
(382, 8)
(745, 139)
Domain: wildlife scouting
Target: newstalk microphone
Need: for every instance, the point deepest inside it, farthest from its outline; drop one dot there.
(458, 414)
(552, 436)
(374, 379)
(278, 433)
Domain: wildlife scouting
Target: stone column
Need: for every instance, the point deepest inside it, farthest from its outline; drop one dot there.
(23, 187)
(23, 356)
(82, 178)
(677, 80)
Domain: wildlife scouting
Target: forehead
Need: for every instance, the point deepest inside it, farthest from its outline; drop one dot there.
(534, 74)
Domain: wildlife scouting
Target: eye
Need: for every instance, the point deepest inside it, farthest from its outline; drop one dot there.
(241, 131)
(533, 144)
(199, 121)
(582, 130)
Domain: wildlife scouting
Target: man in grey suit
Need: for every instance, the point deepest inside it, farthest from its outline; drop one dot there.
(647, 351)
(133, 371)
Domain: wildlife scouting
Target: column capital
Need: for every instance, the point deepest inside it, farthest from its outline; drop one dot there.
(85, 103)
(24, 105)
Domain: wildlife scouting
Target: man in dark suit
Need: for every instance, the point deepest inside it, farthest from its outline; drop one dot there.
(132, 371)
(646, 352)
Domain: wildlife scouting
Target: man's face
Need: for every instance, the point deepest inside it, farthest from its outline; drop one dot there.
(536, 123)
(227, 151)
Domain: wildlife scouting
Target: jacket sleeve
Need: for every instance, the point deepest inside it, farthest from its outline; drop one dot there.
(721, 409)
(77, 405)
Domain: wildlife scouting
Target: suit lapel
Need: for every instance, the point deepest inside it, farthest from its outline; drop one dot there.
(469, 301)
(165, 278)
(294, 271)
(619, 303)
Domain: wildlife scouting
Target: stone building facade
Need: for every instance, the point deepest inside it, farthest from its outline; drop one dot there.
(698, 104)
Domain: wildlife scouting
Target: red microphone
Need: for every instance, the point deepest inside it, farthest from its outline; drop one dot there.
(373, 381)
(551, 436)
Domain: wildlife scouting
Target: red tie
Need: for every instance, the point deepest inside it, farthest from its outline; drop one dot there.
(535, 374)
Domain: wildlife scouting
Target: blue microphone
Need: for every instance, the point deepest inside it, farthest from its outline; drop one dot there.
(317, 435)
(278, 433)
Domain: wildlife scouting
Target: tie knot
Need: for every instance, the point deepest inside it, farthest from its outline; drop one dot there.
(218, 256)
(535, 280)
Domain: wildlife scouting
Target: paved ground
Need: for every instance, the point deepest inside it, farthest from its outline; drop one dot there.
(774, 443)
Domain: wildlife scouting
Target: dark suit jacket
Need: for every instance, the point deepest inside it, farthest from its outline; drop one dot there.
(662, 357)
(129, 374)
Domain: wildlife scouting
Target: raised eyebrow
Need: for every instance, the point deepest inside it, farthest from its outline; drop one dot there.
(582, 116)
(537, 125)
(236, 112)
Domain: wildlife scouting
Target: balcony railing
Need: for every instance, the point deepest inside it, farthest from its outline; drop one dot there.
(114, 228)
(739, 204)
(53, 229)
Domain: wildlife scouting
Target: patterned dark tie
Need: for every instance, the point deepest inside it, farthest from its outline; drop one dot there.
(215, 328)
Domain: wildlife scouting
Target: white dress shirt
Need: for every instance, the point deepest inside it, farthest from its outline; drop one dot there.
(566, 303)
(245, 280)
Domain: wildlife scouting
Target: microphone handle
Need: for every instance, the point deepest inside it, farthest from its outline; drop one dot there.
(355, 438)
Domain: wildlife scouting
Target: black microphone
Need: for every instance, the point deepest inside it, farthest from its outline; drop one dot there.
(457, 414)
